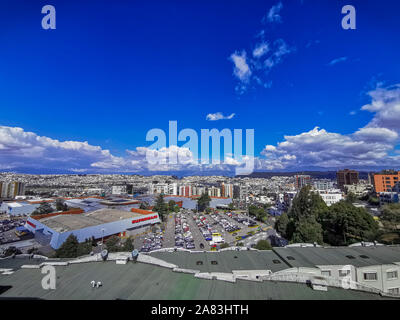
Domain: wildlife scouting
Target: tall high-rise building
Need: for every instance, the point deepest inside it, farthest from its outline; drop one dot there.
(227, 190)
(11, 189)
(346, 177)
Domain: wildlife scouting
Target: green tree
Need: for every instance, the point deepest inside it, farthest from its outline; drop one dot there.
(263, 245)
(344, 224)
(112, 244)
(391, 212)
(128, 245)
(44, 208)
(61, 205)
(161, 207)
(171, 205)
(351, 197)
(281, 224)
(304, 216)
(307, 230)
(203, 202)
(84, 248)
(69, 248)
(258, 212)
(373, 201)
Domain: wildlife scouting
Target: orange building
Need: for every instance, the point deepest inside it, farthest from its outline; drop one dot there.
(385, 181)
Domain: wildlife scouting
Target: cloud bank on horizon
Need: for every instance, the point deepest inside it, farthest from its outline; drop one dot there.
(370, 147)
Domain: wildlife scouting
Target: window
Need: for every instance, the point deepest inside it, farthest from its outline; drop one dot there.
(199, 263)
(394, 290)
(364, 256)
(350, 257)
(370, 276)
(343, 273)
(326, 273)
(391, 275)
(214, 262)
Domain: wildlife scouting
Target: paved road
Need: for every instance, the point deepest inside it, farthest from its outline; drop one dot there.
(197, 236)
(169, 234)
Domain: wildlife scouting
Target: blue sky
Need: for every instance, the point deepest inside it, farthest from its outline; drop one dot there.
(111, 71)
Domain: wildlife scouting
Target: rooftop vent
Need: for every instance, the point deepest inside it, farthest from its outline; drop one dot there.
(290, 258)
(364, 256)
(214, 262)
(276, 261)
(350, 257)
(199, 263)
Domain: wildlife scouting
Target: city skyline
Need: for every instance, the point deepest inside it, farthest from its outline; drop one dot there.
(81, 98)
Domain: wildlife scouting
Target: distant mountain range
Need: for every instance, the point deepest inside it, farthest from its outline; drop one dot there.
(313, 174)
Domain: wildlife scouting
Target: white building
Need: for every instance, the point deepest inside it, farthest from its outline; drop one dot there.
(17, 208)
(118, 190)
(331, 196)
(358, 189)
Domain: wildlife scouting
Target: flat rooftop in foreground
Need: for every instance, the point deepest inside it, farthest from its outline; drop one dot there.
(68, 222)
(139, 281)
(226, 261)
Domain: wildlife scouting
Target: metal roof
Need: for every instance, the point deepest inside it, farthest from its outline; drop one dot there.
(226, 260)
(356, 256)
(143, 281)
(68, 222)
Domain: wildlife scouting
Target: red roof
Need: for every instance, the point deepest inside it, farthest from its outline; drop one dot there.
(141, 211)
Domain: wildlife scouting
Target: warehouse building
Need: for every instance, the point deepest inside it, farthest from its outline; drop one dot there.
(17, 208)
(56, 229)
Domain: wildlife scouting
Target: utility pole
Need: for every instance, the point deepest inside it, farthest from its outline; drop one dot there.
(102, 238)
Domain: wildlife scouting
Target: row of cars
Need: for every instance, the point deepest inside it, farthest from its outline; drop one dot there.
(183, 235)
(242, 219)
(225, 224)
(205, 226)
(152, 241)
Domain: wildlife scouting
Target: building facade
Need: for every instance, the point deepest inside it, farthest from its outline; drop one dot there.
(346, 177)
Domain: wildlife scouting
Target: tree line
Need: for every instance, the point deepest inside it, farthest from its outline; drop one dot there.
(310, 220)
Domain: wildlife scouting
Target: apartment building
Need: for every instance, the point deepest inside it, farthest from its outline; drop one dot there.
(385, 180)
(11, 189)
(346, 177)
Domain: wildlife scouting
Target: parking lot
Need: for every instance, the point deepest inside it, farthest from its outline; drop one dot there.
(7, 229)
(194, 231)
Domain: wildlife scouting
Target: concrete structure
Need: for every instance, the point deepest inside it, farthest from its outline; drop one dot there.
(100, 223)
(364, 267)
(294, 272)
(17, 208)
